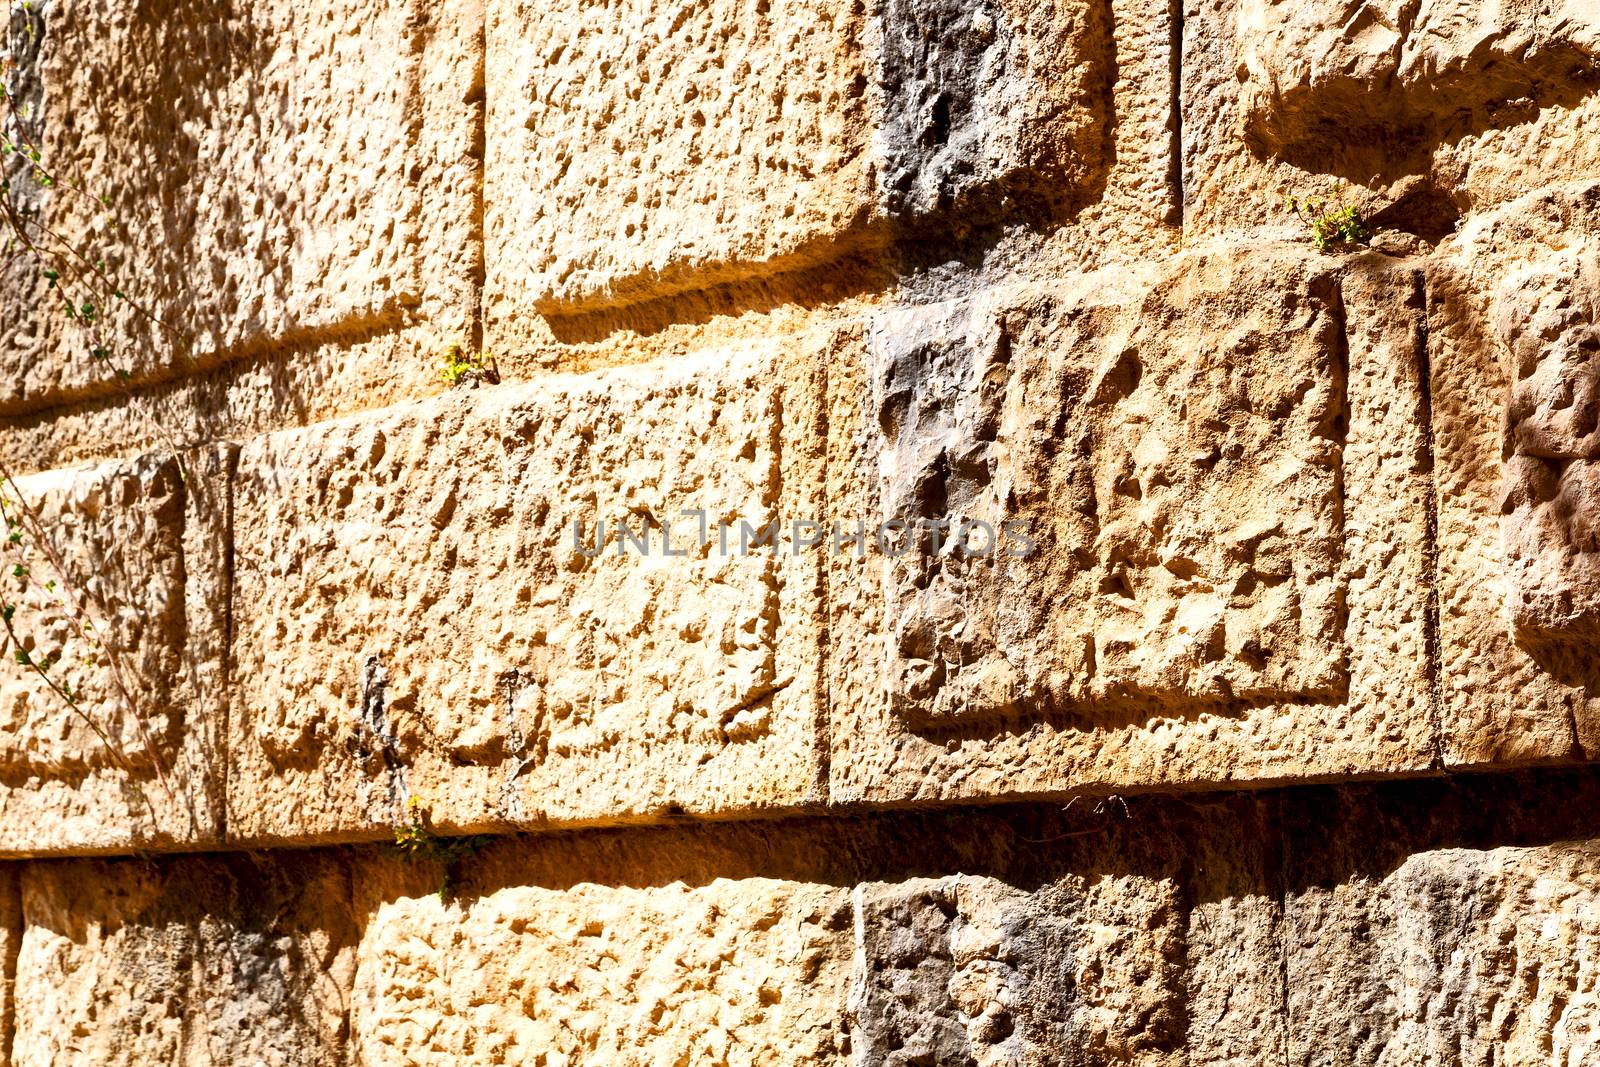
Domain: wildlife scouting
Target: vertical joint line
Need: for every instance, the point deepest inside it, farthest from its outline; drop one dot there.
(1431, 612)
(1175, 110)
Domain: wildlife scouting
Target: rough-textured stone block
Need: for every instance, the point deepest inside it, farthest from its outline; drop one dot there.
(1218, 467)
(417, 614)
(1430, 110)
(1338, 70)
(974, 971)
(637, 151)
(194, 961)
(752, 971)
(124, 590)
(1410, 934)
(271, 172)
(1512, 328)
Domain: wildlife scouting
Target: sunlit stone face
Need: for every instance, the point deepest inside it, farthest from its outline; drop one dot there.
(1550, 518)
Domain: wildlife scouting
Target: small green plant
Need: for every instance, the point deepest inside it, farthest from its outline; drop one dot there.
(1334, 224)
(418, 842)
(459, 366)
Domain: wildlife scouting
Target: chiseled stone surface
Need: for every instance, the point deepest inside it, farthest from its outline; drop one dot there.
(1418, 922)
(271, 172)
(1428, 110)
(209, 960)
(1311, 66)
(456, 638)
(1511, 335)
(1219, 465)
(126, 593)
(752, 971)
(636, 151)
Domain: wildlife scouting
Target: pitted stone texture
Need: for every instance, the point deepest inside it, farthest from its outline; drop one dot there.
(454, 636)
(751, 971)
(972, 971)
(1411, 936)
(1431, 110)
(1228, 525)
(193, 960)
(987, 103)
(272, 173)
(1548, 317)
(124, 591)
(1511, 331)
(638, 151)
(1184, 506)
(1338, 69)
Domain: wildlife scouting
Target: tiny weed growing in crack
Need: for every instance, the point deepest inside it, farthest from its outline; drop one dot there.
(418, 842)
(458, 367)
(1335, 225)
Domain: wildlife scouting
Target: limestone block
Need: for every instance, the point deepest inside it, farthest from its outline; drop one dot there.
(1456, 956)
(971, 970)
(270, 172)
(637, 151)
(747, 971)
(1428, 110)
(205, 960)
(123, 589)
(423, 606)
(1346, 69)
(1202, 492)
(1512, 330)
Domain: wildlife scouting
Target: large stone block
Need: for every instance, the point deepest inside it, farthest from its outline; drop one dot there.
(118, 581)
(214, 960)
(1348, 70)
(637, 151)
(423, 607)
(1410, 934)
(972, 970)
(1513, 328)
(1202, 492)
(1428, 110)
(269, 173)
(747, 971)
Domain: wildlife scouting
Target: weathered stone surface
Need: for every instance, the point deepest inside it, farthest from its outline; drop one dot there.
(1320, 70)
(455, 637)
(1222, 477)
(1413, 933)
(967, 970)
(123, 589)
(1511, 331)
(636, 152)
(752, 971)
(270, 173)
(1432, 109)
(216, 960)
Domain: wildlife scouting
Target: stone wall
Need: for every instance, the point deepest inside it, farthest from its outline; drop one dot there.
(1265, 734)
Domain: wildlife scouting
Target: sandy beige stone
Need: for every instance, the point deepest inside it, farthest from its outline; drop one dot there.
(1429, 110)
(636, 152)
(462, 635)
(124, 589)
(752, 972)
(1511, 327)
(1219, 466)
(271, 173)
(207, 960)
